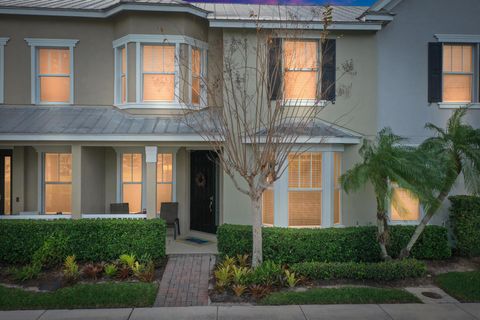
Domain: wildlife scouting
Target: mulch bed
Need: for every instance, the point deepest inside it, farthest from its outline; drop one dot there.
(51, 280)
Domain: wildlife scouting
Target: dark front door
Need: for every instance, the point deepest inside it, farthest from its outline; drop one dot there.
(203, 185)
(5, 181)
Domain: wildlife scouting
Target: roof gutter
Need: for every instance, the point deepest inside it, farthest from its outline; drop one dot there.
(230, 23)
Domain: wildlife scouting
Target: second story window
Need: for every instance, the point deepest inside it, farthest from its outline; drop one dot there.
(196, 75)
(53, 75)
(158, 73)
(457, 73)
(3, 42)
(301, 68)
(52, 70)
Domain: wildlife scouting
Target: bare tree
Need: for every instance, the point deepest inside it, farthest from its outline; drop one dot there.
(251, 130)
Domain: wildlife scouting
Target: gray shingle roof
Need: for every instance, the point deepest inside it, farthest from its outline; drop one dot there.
(217, 11)
(85, 120)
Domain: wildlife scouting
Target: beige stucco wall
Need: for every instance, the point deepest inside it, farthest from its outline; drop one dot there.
(31, 179)
(93, 180)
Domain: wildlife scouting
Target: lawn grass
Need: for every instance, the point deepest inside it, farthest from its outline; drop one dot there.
(103, 295)
(347, 295)
(464, 286)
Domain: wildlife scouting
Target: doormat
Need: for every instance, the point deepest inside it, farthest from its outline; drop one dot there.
(195, 240)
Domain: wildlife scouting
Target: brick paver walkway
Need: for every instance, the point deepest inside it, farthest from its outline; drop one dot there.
(185, 281)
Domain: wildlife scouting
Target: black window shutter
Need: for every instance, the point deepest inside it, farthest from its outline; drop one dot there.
(328, 69)
(435, 64)
(275, 67)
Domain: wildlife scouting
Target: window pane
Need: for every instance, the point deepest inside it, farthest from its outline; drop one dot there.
(127, 167)
(293, 174)
(457, 56)
(164, 194)
(305, 170)
(58, 198)
(195, 90)
(124, 89)
(54, 89)
(137, 167)
(268, 206)
(457, 88)
(164, 167)
(159, 58)
(195, 62)
(65, 174)
(158, 87)
(467, 58)
(304, 208)
(317, 170)
(124, 60)
(300, 54)
(7, 209)
(300, 85)
(54, 61)
(132, 194)
(447, 58)
(337, 166)
(51, 167)
(404, 206)
(336, 206)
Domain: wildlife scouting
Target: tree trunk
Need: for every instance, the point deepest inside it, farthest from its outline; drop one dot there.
(257, 255)
(382, 235)
(405, 252)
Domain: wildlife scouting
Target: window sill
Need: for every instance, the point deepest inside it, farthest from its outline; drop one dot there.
(451, 105)
(160, 105)
(304, 103)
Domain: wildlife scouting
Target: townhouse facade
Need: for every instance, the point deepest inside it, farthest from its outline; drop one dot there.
(92, 95)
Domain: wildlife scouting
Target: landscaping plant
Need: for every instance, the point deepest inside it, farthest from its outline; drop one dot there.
(291, 278)
(458, 145)
(110, 270)
(70, 269)
(92, 270)
(239, 289)
(386, 161)
(128, 260)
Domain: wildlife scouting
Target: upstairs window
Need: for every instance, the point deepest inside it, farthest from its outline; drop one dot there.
(52, 70)
(158, 73)
(123, 74)
(3, 42)
(196, 75)
(54, 74)
(458, 73)
(301, 69)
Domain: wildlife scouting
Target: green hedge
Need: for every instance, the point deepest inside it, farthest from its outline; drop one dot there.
(285, 245)
(379, 271)
(87, 239)
(465, 217)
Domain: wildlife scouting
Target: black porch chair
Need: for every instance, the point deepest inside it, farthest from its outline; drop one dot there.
(119, 208)
(169, 213)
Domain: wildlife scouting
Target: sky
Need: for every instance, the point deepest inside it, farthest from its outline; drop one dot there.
(296, 2)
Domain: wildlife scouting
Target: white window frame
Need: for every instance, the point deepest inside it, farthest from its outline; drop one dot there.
(173, 152)
(462, 39)
(120, 152)
(281, 189)
(3, 42)
(340, 190)
(36, 44)
(141, 40)
(473, 73)
(404, 222)
(119, 74)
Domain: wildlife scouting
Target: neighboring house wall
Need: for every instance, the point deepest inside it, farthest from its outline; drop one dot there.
(403, 67)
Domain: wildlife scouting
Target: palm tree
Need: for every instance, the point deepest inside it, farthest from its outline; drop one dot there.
(459, 147)
(387, 161)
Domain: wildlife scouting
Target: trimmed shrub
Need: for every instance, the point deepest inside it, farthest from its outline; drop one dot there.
(380, 271)
(465, 217)
(87, 239)
(358, 244)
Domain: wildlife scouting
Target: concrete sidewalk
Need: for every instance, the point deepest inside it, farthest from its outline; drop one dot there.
(467, 311)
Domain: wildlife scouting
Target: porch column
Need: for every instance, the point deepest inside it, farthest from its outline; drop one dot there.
(328, 185)
(151, 181)
(76, 181)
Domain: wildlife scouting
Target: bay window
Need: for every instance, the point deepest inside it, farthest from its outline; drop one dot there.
(404, 206)
(132, 181)
(196, 76)
(305, 189)
(158, 73)
(123, 75)
(3, 42)
(57, 183)
(458, 72)
(164, 178)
